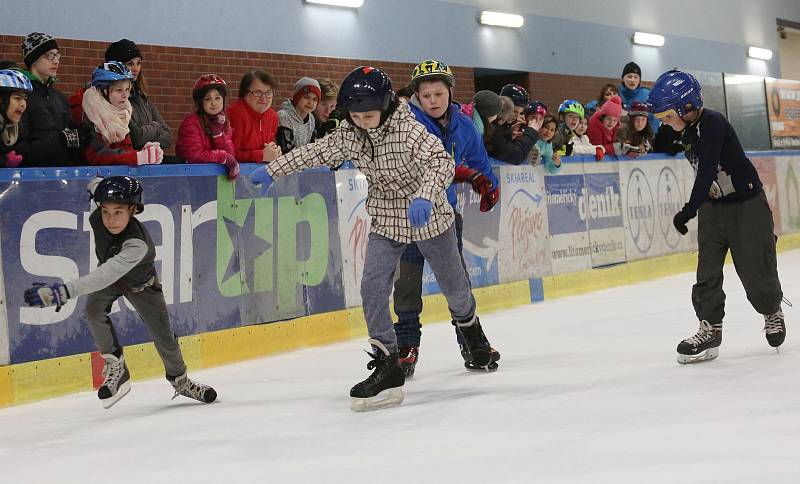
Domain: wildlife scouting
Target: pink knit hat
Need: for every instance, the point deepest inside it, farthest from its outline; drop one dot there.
(612, 107)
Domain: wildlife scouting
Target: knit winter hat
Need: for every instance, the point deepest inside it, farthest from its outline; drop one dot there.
(35, 45)
(122, 51)
(304, 86)
(487, 103)
(638, 109)
(631, 67)
(612, 107)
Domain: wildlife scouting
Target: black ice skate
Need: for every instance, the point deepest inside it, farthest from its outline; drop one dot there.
(384, 388)
(116, 380)
(775, 329)
(475, 348)
(408, 357)
(183, 385)
(703, 346)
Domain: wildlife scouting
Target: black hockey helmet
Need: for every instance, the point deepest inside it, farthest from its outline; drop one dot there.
(365, 89)
(517, 93)
(120, 189)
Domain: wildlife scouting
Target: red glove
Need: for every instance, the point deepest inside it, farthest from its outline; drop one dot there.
(232, 166)
(490, 200)
(479, 182)
(599, 153)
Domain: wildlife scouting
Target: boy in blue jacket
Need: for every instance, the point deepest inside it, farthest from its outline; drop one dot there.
(432, 105)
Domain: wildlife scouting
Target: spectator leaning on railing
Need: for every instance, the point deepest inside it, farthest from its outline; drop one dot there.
(205, 135)
(295, 117)
(14, 90)
(47, 135)
(147, 124)
(254, 122)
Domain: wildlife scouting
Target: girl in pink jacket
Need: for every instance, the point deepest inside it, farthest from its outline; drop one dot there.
(604, 123)
(205, 136)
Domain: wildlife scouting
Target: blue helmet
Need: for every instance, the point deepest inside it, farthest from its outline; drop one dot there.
(365, 89)
(110, 72)
(676, 90)
(12, 80)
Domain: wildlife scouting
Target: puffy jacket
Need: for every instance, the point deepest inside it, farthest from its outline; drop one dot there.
(147, 124)
(401, 160)
(500, 145)
(42, 142)
(460, 139)
(195, 146)
(100, 152)
(599, 135)
(640, 94)
(251, 130)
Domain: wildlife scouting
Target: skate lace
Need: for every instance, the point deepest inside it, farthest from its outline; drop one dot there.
(191, 389)
(112, 372)
(773, 323)
(704, 334)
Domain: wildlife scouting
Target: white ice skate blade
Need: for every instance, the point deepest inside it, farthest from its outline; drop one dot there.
(391, 397)
(121, 392)
(707, 355)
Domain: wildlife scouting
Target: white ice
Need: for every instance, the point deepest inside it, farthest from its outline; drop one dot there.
(588, 391)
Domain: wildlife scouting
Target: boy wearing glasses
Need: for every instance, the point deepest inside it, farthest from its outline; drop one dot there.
(253, 121)
(47, 137)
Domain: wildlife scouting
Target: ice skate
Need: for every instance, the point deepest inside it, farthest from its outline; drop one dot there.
(183, 385)
(382, 389)
(408, 357)
(703, 346)
(475, 348)
(775, 329)
(116, 380)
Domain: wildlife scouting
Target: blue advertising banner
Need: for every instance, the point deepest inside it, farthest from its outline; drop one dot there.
(226, 255)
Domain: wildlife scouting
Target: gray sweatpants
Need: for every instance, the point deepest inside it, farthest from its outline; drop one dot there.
(380, 263)
(151, 307)
(746, 228)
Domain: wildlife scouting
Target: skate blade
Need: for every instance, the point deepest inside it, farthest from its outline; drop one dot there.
(121, 392)
(391, 397)
(707, 355)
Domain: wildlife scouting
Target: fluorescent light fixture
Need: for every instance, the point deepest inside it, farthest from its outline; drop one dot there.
(735, 79)
(501, 19)
(339, 3)
(643, 38)
(759, 53)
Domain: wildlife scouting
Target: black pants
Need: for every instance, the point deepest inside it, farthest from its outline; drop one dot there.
(746, 228)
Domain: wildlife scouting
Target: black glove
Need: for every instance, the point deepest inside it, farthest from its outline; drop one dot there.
(680, 221)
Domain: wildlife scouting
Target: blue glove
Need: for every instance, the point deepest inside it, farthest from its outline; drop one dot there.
(419, 212)
(41, 295)
(261, 177)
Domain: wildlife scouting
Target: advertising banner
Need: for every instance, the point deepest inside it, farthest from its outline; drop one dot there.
(523, 243)
(783, 106)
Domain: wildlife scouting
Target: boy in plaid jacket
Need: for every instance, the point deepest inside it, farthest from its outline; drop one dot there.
(408, 172)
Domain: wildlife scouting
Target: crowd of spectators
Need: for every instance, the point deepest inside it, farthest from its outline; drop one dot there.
(113, 121)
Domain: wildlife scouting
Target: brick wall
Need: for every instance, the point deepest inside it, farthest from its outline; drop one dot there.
(171, 71)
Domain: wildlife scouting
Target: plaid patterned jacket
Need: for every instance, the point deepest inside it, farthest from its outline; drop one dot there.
(401, 161)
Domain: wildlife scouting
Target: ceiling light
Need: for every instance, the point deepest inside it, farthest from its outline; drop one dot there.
(501, 19)
(339, 3)
(644, 38)
(759, 53)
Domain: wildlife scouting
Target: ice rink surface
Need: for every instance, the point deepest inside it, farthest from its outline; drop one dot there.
(588, 391)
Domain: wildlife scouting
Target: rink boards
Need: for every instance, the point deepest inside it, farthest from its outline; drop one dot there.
(231, 259)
